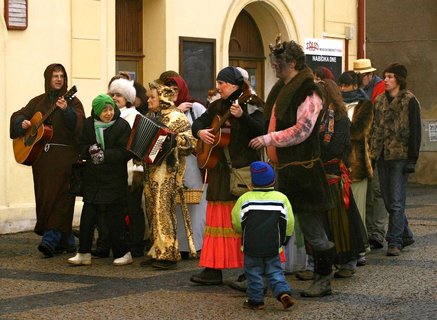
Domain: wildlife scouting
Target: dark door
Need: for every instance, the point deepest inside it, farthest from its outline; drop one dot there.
(129, 38)
(246, 50)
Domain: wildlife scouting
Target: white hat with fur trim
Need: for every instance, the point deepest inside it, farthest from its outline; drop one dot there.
(125, 88)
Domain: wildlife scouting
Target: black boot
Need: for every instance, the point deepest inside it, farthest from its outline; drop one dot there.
(208, 276)
(321, 285)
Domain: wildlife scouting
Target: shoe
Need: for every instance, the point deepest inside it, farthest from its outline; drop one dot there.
(46, 250)
(253, 306)
(81, 259)
(165, 264)
(362, 261)
(375, 243)
(407, 241)
(147, 263)
(124, 260)
(320, 287)
(100, 253)
(240, 284)
(305, 275)
(208, 276)
(344, 273)
(393, 251)
(287, 301)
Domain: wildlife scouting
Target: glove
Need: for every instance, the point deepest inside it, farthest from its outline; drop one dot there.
(96, 153)
(410, 167)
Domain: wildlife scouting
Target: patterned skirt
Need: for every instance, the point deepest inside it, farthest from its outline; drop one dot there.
(221, 247)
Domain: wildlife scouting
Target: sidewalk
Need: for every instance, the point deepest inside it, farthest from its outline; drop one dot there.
(33, 287)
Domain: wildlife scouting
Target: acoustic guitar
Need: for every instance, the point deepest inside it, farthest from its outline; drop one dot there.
(209, 154)
(29, 146)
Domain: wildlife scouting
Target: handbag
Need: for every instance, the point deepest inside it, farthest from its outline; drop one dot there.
(240, 179)
(192, 196)
(76, 178)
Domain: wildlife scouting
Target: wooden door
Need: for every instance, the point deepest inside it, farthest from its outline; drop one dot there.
(246, 50)
(129, 38)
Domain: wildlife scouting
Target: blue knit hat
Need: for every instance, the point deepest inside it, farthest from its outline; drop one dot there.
(262, 174)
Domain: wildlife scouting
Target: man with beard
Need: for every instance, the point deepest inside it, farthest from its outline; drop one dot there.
(292, 111)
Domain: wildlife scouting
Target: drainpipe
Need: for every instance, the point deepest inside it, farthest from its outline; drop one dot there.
(361, 32)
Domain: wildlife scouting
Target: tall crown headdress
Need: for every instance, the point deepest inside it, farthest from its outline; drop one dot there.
(278, 48)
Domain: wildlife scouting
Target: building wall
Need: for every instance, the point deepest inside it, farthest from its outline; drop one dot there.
(81, 36)
(400, 31)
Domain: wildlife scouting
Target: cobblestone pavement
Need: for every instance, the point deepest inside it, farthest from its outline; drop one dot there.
(33, 287)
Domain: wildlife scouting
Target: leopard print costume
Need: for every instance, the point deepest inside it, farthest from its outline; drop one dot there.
(162, 181)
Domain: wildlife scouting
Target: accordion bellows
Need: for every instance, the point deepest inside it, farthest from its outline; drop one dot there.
(150, 140)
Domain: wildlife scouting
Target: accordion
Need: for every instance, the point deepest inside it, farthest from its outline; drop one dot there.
(150, 140)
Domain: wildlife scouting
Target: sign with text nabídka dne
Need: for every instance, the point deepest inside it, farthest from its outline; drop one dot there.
(325, 53)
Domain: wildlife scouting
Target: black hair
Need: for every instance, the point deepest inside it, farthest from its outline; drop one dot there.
(348, 78)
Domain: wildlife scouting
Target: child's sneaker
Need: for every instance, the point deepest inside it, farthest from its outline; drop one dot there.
(254, 306)
(287, 301)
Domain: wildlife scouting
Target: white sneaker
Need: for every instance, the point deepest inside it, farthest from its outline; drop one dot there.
(81, 259)
(124, 260)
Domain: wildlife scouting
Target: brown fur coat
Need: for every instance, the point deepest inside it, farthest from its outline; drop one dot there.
(361, 166)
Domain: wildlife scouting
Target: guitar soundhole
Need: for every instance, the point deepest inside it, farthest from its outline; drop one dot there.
(30, 139)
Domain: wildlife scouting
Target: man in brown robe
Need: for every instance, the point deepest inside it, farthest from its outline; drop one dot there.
(52, 167)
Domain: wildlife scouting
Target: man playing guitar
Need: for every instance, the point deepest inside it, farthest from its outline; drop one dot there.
(62, 115)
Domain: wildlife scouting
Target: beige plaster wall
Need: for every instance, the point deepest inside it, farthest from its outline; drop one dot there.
(81, 36)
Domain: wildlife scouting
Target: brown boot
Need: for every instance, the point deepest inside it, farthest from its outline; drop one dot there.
(321, 285)
(287, 301)
(208, 276)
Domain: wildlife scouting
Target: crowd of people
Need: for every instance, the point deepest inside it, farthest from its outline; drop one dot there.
(329, 159)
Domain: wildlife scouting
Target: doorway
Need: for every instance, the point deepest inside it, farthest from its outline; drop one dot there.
(246, 50)
(129, 38)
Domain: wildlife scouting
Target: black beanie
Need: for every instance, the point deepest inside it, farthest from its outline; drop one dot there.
(230, 75)
(398, 69)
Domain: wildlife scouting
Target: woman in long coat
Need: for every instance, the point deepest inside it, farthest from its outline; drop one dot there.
(163, 180)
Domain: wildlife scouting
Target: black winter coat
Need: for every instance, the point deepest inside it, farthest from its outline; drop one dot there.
(106, 182)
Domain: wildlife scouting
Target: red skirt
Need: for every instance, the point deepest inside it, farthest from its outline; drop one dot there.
(221, 247)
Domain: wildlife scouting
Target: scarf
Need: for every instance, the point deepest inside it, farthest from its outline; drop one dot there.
(355, 95)
(99, 128)
(327, 124)
(183, 93)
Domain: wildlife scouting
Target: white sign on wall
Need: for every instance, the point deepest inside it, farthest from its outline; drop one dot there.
(325, 53)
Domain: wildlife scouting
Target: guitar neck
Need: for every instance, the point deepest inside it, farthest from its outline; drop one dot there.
(69, 95)
(223, 120)
(44, 118)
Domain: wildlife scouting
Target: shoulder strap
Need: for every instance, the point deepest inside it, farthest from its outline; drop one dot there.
(228, 157)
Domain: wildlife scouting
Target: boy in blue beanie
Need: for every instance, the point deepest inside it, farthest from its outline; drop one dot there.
(265, 218)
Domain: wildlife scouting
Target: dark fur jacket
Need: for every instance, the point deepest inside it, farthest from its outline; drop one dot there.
(361, 114)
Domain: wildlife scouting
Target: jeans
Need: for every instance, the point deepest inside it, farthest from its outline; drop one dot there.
(51, 238)
(393, 182)
(257, 267)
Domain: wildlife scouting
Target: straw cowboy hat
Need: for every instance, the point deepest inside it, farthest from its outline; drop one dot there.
(363, 66)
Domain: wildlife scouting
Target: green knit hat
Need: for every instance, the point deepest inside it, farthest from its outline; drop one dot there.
(100, 102)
